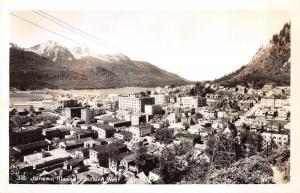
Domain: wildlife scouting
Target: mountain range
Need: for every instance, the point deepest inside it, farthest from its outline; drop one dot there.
(51, 65)
(270, 64)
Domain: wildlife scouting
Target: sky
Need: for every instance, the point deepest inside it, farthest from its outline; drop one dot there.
(197, 45)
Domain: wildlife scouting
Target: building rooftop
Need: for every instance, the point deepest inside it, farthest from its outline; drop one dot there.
(120, 156)
(103, 126)
(31, 145)
(36, 159)
(26, 129)
(77, 141)
(108, 147)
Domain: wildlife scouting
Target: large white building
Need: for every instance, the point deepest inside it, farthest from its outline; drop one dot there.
(161, 99)
(192, 102)
(134, 105)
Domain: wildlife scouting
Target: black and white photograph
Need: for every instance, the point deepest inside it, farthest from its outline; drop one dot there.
(149, 96)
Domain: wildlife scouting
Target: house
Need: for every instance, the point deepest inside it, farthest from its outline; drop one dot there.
(129, 164)
(173, 118)
(115, 159)
(250, 120)
(209, 113)
(245, 104)
(261, 112)
(222, 114)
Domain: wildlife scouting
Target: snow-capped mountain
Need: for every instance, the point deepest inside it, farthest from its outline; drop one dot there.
(118, 57)
(58, 53)
(80, 52)
(53, 50)
(50, 65)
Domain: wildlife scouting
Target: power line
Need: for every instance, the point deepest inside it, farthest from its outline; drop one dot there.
(75, 30)
(51, 31)
(39, 26)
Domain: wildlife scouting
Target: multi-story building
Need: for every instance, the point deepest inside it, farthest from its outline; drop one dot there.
(140, 130)
(192, 102)
(87, 114)
(161, 99)
(213, 100)
(135, 118)
(134, 105)
(104, 131)
(71, 112)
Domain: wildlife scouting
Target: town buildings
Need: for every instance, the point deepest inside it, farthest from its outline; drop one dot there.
(78, 142)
